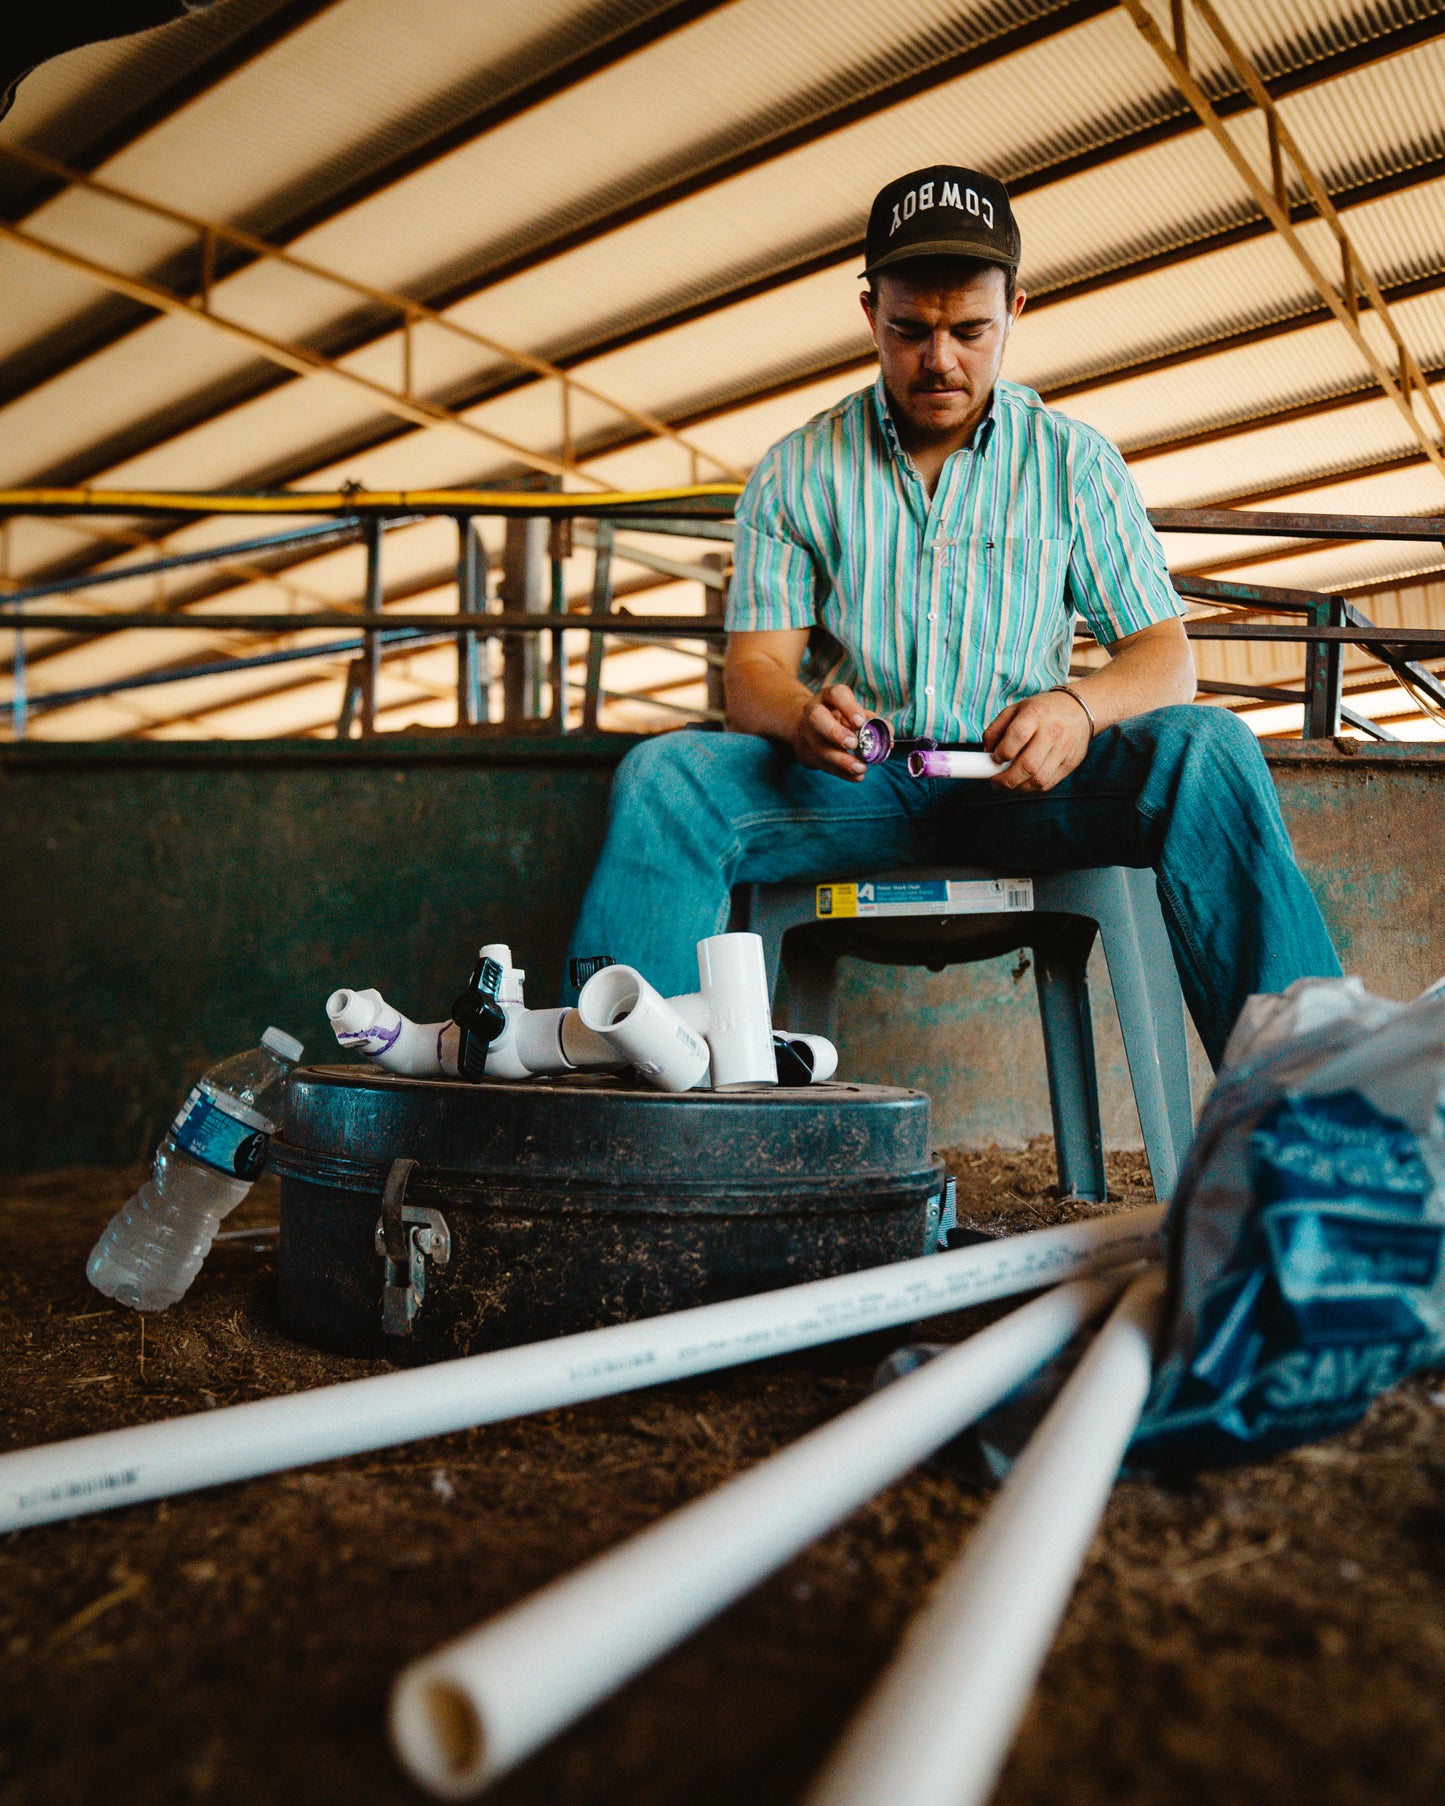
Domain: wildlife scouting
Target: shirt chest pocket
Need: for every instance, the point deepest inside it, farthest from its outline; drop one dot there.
(998, 579)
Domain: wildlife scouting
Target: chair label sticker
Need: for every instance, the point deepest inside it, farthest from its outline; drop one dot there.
(925, 897)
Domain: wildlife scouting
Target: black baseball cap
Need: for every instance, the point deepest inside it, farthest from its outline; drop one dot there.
(943, 211)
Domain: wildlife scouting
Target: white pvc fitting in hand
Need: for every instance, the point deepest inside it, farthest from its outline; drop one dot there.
(953, 765)
(620, 1005)
(367, 1024)
(734, 978)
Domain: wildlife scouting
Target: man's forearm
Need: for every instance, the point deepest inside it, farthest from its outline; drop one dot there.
(765, 696)
(764, 699)
(1151, 670)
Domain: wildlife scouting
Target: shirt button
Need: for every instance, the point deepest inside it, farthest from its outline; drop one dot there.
(928, 689)
(933, 614)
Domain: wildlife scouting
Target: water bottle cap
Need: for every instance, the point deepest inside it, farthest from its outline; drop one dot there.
(277, 1041)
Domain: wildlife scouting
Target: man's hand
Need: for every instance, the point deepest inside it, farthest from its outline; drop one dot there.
(826, 735)
(1043, 738)
(766, 697)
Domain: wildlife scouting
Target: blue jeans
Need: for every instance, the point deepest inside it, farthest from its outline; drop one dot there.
(1184, 790)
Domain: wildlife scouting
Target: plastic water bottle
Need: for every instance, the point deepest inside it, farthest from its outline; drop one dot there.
(153, 1246)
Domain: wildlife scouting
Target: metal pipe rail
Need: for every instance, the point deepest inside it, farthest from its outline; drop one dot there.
(1328, 622)
(351, 515)
(503, 621)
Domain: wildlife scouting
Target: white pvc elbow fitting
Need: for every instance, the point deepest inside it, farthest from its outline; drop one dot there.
(619, 1004)
(367, 1024)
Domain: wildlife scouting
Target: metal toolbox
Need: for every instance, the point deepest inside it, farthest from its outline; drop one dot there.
(422, 1219)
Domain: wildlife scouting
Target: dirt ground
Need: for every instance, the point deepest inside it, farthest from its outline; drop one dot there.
(1272, 1635)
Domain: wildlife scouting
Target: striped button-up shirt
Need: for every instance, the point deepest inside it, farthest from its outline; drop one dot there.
(939, 613)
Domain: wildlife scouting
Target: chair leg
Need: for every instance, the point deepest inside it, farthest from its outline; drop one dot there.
(1061, 976)
(1168, 1002)
(1151, 1020)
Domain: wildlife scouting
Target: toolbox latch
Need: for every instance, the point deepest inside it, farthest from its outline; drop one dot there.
(407, 1237)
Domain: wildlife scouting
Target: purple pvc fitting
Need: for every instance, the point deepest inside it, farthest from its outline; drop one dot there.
(875, 741)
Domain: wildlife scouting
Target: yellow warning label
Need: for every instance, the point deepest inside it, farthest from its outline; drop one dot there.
(837, 900)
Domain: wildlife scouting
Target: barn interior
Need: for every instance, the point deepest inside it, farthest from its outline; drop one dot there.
(458, 330)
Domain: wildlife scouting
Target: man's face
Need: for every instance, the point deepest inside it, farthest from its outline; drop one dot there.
(940, 343)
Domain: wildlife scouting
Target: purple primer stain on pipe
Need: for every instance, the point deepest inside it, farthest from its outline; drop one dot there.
(369, 1041)
(953, 764)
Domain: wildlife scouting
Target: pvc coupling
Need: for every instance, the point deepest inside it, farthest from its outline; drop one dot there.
(724, 1029)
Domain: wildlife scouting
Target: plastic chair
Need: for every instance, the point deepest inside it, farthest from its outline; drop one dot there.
(1117, 903)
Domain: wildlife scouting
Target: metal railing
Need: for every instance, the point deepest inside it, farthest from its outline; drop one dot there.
(532, 639)
(1330, 621)
(589, 522)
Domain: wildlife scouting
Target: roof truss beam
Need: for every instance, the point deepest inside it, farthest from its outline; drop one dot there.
(226, 61)
(302, 360)
(477, 124)
(1403, 384)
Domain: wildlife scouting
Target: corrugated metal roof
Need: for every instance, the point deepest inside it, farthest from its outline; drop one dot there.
(1385, 117)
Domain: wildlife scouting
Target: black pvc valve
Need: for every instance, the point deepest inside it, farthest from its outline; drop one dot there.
(580, 970)
(478, 1013)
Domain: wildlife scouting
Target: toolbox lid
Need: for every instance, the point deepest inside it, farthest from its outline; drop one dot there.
(598, 1128)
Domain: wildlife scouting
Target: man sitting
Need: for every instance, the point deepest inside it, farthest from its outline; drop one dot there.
(920, 552)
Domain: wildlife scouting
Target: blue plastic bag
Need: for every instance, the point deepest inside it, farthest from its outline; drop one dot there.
(1306, 1234)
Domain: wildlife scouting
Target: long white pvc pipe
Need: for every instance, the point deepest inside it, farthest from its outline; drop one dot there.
(475, 1708)
(180, 1454)
(937, 1728)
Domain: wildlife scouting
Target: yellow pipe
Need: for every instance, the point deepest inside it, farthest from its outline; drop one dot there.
(479, 501)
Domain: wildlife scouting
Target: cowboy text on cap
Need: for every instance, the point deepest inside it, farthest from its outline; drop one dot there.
(920, 199)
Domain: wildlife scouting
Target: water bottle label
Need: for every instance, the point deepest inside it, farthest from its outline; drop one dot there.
(209, 1134)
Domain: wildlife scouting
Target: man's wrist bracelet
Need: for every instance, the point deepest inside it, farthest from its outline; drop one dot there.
(1068, 690)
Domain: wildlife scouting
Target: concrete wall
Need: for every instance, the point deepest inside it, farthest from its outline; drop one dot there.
(164, 902)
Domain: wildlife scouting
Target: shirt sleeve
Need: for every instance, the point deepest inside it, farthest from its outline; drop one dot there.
(1118, 580)
(774, 582)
